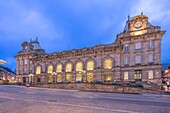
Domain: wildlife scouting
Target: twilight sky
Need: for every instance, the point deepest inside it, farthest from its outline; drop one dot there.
(80, 23)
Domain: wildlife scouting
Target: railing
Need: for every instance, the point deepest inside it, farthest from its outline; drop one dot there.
(146, 30)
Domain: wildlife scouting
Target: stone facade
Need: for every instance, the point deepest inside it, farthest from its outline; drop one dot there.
(134, 56)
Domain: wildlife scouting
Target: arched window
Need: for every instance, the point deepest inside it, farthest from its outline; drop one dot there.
(90, 65)
(59, 68)
(68, 67)
(38, 70)
(50, 69)
(107, 64)
(79, 66)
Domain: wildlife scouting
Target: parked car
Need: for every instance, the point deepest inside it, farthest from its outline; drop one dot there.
(79, 81)
(116, 83)
(27, 85)
(135, 85)
(98, 82)
(61, 82)
(40, 83)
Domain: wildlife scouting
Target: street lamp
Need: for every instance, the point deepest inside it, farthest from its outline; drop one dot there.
(83, 72)
(53, 74)
(166, 71)
(31, 75)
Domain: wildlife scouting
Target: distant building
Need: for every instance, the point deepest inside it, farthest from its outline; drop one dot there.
(134, 56)
(7, 75)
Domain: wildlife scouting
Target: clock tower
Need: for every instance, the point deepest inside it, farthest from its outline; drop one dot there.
(137, 25)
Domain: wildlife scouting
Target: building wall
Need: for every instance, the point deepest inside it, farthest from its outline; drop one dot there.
(98, 54)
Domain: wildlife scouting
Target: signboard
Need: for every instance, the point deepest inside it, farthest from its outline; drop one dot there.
(2, 62)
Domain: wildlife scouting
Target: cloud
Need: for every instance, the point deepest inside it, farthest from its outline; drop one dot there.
(158, 11)
(21, 21)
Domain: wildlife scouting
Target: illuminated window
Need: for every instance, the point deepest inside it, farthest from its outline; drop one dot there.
(68, 67)
(50, 79)
(138, 46)
(150, 74)
(138, 75)
(90, 65)
(79, 66)
(107, 76)
(59, 68)
(90, 76)
(108, 64)
(79, 77)
(59, 78)
(50, 69)
(68, 77)
(126, 76)
(38, 70)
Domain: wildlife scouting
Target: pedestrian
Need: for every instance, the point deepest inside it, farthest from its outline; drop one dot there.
(168, 86)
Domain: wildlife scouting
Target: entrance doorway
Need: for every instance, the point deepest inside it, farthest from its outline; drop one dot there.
(79, 77)
(59, 78)
(138, 75)
(24, 80)
(38, 79)
(107, 76)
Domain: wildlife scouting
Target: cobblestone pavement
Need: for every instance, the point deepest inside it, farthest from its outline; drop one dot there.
(20, 99)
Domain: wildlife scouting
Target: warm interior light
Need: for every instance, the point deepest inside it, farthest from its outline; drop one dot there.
(109, 78)
(138, 33)
(166, 71)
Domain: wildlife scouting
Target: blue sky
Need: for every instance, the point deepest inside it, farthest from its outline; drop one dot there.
(80, 23)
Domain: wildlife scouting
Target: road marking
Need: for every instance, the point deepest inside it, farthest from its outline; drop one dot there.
(73, 105)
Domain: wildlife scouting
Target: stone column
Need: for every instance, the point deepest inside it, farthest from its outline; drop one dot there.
(73, 76)
(84, 76)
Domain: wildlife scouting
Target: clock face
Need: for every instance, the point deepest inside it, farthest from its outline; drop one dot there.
(138, 25)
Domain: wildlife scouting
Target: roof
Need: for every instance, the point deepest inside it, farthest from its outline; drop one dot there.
(7, 69)
(35, 45)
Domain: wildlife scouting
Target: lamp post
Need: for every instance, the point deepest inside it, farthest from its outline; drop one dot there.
(82, 72)
(31, 75)
(53, 74)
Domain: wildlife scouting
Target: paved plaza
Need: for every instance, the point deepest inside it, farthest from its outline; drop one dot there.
(20, 99)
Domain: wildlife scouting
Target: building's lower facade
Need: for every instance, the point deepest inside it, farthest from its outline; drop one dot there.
(134, 56)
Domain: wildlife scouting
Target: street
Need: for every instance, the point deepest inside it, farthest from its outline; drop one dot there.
(20, 99)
